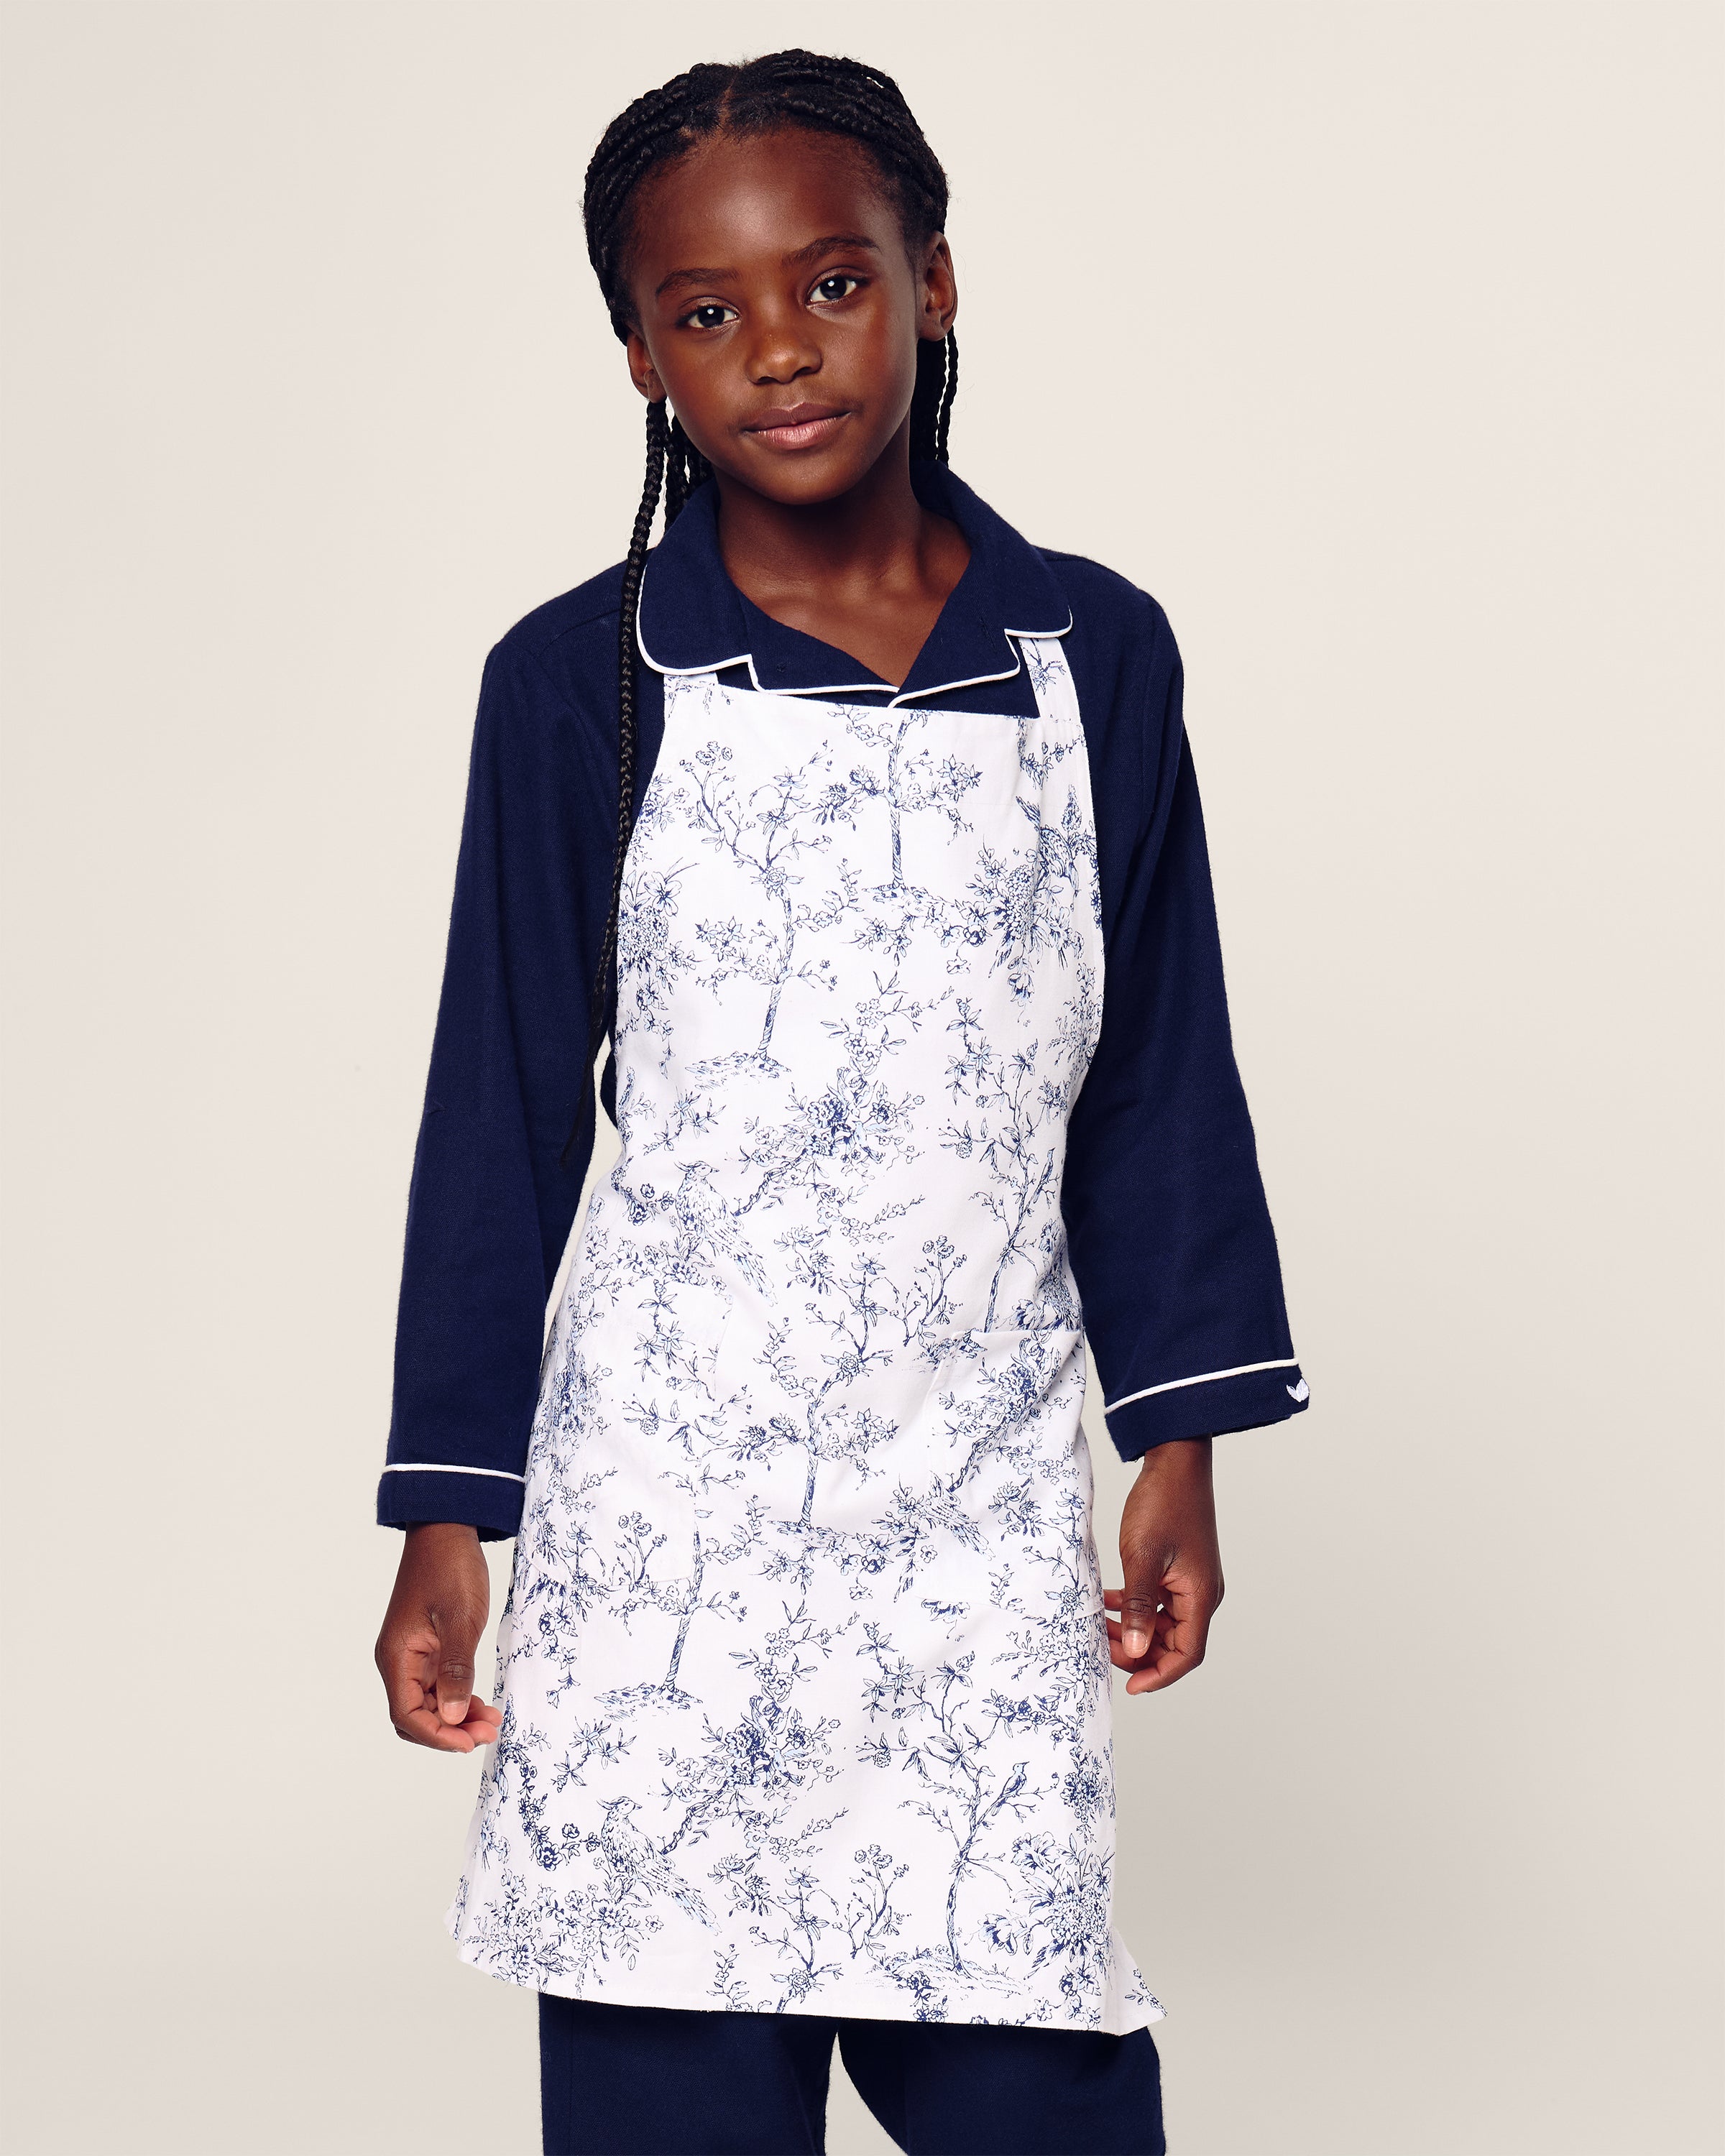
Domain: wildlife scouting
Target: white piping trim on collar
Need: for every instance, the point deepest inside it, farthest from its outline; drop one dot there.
(936, 687)
(1014, 636)
(714, 666)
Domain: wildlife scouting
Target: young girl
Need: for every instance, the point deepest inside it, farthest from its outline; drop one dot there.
(873, 831)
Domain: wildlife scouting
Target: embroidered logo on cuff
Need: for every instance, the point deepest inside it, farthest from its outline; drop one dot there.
(1301, 1392)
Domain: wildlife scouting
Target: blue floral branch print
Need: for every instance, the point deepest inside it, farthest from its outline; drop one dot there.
(937, 1732)
(912, 780)
(765, 831)
(803, 1668)
(650, 958)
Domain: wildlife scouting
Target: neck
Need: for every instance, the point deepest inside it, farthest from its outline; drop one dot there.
(873, 534)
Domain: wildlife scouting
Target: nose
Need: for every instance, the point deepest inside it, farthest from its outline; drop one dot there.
(782, 347)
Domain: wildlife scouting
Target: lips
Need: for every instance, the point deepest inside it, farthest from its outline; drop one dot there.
(798, 426)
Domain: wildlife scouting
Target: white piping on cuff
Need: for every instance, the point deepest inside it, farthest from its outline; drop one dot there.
(442, 1467)
(1207, 1377)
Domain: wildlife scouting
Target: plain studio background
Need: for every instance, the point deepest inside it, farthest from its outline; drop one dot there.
(1378, 341)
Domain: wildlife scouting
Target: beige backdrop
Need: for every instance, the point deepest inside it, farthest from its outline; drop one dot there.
(1379, 342)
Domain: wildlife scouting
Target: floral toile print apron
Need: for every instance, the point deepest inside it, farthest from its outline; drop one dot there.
(803, 1668)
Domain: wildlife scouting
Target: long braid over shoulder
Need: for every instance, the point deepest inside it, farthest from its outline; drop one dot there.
(794, 89)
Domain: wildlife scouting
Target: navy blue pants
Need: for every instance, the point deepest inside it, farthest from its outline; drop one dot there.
(660, 2081)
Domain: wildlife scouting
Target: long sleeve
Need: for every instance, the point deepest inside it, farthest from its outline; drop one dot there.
(491, 1201)
(1170, 1237)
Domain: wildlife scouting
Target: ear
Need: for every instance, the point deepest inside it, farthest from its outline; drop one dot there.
(939, 290)
(642, 370)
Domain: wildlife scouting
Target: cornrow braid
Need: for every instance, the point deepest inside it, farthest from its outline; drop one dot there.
(634, 568)
(932, 400)
(685, 468)
(827, 95)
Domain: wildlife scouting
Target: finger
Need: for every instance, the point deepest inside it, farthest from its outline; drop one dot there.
(458, 1631)
(1183, 1635)
(1131, 1628)
(1137, 1619)
(426, 1726)
(482, 1723)
(1116, 1650)
(1166, 1666)
(406, 1669)
(421, 1723)
(1143, 1563)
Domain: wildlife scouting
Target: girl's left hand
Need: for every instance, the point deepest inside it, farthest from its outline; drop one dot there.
(1173, 1567)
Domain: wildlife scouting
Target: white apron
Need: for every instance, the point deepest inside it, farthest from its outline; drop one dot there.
(803, 1667)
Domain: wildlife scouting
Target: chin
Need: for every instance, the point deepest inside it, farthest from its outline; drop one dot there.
(799, 485)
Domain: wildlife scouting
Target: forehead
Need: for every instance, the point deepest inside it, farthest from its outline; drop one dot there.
(734, 199)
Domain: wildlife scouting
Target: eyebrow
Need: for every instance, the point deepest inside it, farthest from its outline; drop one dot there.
(828, 243)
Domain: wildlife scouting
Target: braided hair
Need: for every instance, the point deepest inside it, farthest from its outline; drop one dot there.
(794, 89)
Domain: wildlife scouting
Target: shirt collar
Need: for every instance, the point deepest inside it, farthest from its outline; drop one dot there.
(694, 620)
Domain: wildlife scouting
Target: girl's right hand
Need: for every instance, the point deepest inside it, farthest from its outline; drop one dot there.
(431, 1634)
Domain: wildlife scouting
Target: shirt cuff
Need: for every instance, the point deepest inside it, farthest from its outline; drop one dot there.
(481, 1497)
(1208, 1405)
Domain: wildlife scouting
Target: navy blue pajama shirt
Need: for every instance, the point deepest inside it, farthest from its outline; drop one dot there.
(923, 1077)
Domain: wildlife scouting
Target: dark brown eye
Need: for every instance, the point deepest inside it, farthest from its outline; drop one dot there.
(710, 316)
(831, 290)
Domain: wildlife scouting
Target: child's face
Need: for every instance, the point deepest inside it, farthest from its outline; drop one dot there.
(779, 309)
